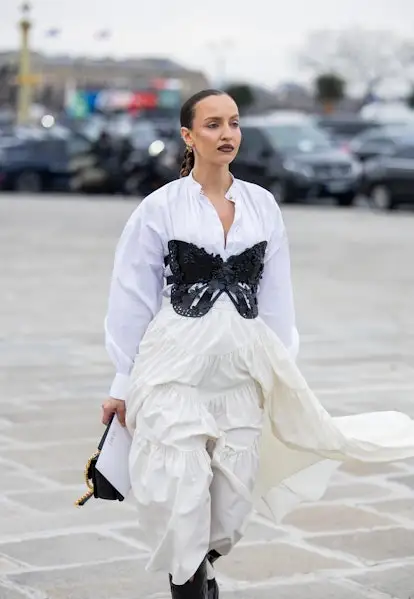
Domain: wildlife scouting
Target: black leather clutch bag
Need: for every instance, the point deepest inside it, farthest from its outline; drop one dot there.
(98, 485)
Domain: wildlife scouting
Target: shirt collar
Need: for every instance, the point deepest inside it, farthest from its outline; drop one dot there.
(194, 185)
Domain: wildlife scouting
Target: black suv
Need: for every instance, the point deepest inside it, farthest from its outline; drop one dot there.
(43, 160)
(381, 141)
(294, 159)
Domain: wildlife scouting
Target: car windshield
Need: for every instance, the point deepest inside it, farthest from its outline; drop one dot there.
(297, 138)
(143, 133)
(92, 128)
(381, 132)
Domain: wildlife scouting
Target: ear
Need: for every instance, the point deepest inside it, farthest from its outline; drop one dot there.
(186, 136)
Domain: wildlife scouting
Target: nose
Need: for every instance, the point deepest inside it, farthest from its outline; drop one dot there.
(227, 132)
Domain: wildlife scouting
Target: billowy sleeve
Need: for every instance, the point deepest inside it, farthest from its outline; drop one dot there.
(135, 291)
(275, 297)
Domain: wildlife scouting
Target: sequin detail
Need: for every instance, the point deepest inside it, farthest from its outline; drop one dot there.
(199, 278)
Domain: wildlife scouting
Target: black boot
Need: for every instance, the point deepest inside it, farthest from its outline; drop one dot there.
(213, 589)
(194, 589)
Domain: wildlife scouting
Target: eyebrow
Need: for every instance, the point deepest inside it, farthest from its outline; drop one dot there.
(219, 118)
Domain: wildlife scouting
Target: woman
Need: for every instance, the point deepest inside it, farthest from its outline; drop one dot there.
(201, 329)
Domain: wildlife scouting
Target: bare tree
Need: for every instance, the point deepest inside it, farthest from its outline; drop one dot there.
(364, 58)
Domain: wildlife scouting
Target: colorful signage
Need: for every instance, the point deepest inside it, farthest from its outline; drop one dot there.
(164, 93)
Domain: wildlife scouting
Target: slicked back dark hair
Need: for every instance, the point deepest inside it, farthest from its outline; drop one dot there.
(186, 120)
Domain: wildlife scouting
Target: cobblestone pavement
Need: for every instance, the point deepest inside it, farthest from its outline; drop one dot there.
(354, 285)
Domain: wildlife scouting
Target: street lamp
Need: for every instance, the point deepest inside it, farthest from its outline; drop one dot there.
(24, 78)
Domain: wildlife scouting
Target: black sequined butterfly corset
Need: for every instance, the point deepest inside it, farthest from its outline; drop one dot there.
(198, 278)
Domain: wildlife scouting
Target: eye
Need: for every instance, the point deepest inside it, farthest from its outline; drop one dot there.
(212, 125)
(235, 124)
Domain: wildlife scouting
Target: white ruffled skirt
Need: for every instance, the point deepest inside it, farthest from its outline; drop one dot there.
(223, 421)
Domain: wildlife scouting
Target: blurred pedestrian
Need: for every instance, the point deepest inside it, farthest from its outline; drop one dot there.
(103, 147)
(201, 329)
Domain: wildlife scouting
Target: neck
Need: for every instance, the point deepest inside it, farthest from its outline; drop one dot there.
(212, 178)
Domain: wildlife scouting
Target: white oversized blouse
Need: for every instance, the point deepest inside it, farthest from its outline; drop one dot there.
(181, 211)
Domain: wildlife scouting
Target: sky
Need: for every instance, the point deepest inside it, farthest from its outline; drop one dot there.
(232, 39)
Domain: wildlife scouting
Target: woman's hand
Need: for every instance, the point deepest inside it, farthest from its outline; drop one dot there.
(113, 406)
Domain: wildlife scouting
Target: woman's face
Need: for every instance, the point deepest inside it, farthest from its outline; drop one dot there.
(215, 135)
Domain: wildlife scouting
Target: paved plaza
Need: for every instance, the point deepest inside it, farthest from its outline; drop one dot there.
(354, 286)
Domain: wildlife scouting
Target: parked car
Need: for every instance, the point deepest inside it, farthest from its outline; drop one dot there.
(389, 179)
(343, 128)
(381, 141)
(287, 154)
(33, 161)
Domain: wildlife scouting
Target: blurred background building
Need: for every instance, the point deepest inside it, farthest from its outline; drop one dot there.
(55, 78)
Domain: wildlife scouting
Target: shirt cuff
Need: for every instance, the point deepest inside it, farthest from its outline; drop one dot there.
(119, 386)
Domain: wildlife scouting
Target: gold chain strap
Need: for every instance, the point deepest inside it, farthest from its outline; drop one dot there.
(89, 484)
(79, 502)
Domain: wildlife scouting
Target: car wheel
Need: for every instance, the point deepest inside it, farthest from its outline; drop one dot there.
(28, 182)
(345, 199)
(381, 198)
